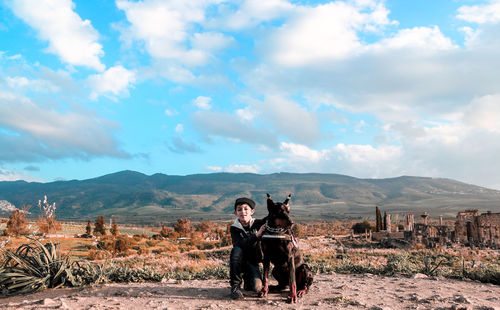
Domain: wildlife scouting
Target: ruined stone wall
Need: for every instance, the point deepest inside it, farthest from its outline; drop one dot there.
(478, 229)
(488, 228)
(465, 225)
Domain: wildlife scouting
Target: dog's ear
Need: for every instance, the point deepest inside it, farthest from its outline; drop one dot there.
(287, 202)
(270, 203)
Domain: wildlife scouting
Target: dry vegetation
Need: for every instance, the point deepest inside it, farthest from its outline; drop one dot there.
(100, 253)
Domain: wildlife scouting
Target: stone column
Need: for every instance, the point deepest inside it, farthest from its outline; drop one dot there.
(425, 217)
(409, 222)
(440, 220)
(388, 222)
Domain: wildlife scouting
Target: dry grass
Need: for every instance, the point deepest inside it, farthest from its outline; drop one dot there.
(197, 257)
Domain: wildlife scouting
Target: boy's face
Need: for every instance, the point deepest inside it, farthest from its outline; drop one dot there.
(244, 213)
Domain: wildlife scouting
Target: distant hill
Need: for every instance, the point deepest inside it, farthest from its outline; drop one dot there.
(136, 197)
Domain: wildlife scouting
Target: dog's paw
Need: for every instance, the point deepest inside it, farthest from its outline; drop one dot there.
(291, 299)
(301, 293)
(263, 293)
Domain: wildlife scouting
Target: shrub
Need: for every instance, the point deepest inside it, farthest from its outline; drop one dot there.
(96, 254)
(152, 243)
(100, 226)
(47, 222)
(197, 255)
(114, 228)
(121, 245)
(33, 267)
(143, 251)
(88, 229)
(184, 227)
(361, 227)
(401, 263)
(205, 246)
(139, 237)
(17, 223)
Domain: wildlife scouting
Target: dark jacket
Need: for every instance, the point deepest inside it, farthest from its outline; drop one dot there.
(247, 240)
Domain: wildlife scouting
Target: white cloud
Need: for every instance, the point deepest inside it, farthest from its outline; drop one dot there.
(164, 28)
(226, 125)
(17, 81)
(352, 159)
(288, 118)
(422, 38)
(245, 114)
(181, 146)
(484, 112)
(35, 131)
(481, 14)
(74, 40)
(116, 81)
(179, 128)
(203, 102)
(251, 13)
(22, 83)
(324, 33)
(211, 41)
(169, 112)
(242, 168)
(12, 175)
(214, 168)
(302, 152)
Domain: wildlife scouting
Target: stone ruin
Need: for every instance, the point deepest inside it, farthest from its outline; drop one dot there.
(470, 229)
(479, 230)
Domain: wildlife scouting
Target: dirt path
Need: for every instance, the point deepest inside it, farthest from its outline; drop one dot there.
(333, 291)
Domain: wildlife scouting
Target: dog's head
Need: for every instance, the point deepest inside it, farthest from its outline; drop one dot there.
(279, 213)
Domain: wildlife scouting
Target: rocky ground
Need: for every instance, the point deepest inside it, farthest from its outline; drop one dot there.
(333, 291)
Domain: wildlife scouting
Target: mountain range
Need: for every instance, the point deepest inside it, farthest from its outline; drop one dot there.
(138, 198)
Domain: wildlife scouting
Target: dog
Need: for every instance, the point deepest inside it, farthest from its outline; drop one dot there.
(280, 248)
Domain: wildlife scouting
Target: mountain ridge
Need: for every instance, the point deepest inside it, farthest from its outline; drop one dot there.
(134, 196)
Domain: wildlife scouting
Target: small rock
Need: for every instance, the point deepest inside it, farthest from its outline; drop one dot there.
(49, 302)
(63, 305)
(420, 276)
(461, 299)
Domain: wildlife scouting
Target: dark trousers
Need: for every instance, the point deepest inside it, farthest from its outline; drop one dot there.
(240, 269)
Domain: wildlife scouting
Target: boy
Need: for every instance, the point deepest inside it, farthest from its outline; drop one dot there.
(246, 253)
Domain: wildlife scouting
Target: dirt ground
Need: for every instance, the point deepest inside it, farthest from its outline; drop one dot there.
(332, 291)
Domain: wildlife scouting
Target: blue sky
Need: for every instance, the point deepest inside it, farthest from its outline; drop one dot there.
(367, 88)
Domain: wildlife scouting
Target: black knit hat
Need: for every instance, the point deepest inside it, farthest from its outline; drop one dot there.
(243, 200)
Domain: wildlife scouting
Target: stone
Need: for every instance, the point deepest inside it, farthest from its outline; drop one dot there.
(420, 276)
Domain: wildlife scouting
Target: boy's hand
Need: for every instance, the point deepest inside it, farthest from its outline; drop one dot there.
(261, 231)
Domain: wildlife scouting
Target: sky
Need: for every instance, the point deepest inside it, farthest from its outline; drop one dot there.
(366, 88)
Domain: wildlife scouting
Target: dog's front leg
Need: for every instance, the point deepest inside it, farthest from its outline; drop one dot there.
(265, 283)
(292, 297)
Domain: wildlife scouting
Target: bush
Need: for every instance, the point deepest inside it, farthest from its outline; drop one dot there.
(17, 223)
(184, 227)
(197, 255)
(360, 228)
(95, 254)
(143, 251)
(400, 263)
(100, 226)
(33, 267)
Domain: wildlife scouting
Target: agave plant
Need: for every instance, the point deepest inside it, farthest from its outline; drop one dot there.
(33, 267)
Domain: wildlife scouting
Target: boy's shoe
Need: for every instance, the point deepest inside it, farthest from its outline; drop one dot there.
(256, 288)
(236, 293)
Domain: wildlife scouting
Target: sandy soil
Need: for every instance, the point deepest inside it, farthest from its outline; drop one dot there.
(334, 291)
